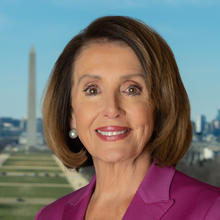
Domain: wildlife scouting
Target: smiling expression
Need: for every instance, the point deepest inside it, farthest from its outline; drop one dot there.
(112, 110)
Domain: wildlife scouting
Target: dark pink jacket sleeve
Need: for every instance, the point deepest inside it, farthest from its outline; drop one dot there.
(214, 211)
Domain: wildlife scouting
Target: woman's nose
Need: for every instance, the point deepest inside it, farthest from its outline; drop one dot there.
(112, 108)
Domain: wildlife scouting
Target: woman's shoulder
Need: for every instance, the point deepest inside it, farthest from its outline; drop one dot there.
(55, 209)
(192, 185)
(194, 194)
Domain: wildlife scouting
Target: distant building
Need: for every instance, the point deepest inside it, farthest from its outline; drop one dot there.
(208, 153)
(23, 124)
(215, 127)
(39, 125)
(193, 127)
(218, 115)
(39, 134)
(4, 121)
(39, 139)
(201, 125)
(9, 127)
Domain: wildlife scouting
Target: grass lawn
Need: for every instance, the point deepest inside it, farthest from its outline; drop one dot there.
(27, 164)
(38, 154)
(32, 192)
(27, 158)
(18, 211)
(33, 179)
(10, 162)
(30, 169)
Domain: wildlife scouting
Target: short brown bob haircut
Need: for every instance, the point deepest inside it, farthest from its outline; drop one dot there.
(172, 132)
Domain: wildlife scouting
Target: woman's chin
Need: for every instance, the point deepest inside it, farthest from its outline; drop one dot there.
(112, 157)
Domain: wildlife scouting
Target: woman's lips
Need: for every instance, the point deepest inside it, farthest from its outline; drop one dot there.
(112, 133)
(112, 128)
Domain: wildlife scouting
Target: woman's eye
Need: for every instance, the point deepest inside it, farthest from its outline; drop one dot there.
(133, 90)
(91, 90)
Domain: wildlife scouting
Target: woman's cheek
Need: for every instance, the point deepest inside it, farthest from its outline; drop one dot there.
(86, 113)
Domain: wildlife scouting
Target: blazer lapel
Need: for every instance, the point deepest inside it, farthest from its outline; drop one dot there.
(76, 207)
(139, 210)
(152, 199)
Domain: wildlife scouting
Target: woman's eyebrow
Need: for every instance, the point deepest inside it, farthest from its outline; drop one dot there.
(124, 77)
(128, 76)
(88, 75)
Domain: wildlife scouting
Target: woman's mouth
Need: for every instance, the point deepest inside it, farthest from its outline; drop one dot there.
(112, 133)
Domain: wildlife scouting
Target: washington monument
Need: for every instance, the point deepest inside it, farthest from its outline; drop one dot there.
(31, 120)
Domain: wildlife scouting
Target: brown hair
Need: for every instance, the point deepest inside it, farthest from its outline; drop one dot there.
(172, 133)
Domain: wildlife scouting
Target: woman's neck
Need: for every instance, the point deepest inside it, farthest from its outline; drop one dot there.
(120, 180)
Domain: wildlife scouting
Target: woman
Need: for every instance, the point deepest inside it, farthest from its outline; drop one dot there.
(115, 100)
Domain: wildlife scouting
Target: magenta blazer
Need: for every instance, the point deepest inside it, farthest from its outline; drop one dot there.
(164, 193)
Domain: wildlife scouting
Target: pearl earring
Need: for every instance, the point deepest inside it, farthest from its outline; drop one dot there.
(73, 133)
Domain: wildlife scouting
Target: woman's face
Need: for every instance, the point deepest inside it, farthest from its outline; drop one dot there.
(112, 111)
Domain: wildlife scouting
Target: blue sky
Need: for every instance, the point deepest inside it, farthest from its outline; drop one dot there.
(191, 28)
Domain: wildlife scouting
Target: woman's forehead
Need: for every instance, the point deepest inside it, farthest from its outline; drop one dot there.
(98, 57)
